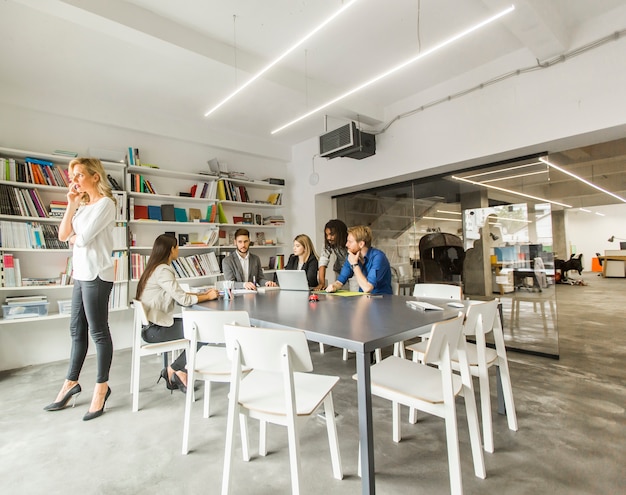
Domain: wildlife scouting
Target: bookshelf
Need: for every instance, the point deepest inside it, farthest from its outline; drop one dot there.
(32, 190)
(254, 205)
(162, 201)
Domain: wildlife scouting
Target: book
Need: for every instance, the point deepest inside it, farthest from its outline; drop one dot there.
(141, 212)
(194, 214)
(154, 212)
(167, 213)
(180, 215)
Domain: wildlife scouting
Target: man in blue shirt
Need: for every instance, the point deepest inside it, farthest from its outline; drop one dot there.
(369, 265)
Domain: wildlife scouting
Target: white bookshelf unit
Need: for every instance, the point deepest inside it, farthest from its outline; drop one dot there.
(29, 234)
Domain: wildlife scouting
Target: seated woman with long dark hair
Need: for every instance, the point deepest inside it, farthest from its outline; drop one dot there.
(158, 290)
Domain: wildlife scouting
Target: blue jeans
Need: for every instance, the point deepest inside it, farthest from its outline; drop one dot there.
(90, 314)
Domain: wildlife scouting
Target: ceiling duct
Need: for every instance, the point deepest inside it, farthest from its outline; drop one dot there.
(347, 141)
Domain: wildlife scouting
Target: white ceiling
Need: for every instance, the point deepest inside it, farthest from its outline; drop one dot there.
(159, 65)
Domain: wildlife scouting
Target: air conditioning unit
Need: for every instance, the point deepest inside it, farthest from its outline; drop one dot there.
(347, 141)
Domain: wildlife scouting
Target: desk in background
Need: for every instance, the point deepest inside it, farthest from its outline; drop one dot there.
(613, 263)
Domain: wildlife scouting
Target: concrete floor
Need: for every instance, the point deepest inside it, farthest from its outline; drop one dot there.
(571, 438)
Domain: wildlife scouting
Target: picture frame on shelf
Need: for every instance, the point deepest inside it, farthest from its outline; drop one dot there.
(183, 239)
(248, 218)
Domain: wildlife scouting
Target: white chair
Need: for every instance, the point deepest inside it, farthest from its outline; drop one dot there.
(278, 390)
(435, 291)
(438, 291)
(141, 348)
(210, 362)
(433, 390)
(481, 319)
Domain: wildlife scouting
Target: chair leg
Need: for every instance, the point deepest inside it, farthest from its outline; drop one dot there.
(378, 355)
(294, 456)
(333, 442)
(474, 431)
(395, 414)
(245, 444)
(412, 410)
(135, 382)
(187, 419)
(485, 408)
(507, 391)
(263, 438)
(207, 399)
(345, 355)
(454, 457)
(321, 348)
(398, 350)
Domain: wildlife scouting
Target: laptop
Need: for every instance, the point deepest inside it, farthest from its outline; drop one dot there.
(292, 280)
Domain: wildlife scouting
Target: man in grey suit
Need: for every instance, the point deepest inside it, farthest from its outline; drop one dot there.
(243, 267)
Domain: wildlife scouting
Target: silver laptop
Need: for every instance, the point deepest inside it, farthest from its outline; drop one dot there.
(292, 280)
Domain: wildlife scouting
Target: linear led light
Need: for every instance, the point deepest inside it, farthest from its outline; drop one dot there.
(515, 176)
(489, 186)
(500, 170)
(585, 210)
(450, 212)
(280, 57)
(600, 214)
(584, 181)
(422, 55)
(444, 219)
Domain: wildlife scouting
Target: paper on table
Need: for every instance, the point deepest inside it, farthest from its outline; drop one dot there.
(423, 306)
(345, 293)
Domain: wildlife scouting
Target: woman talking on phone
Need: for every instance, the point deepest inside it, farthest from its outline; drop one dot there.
(88, 227)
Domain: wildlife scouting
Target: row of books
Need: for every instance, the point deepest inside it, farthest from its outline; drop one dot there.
(276, 220)
(119, 296)
(20, 201)
(11, 273)
(197, 265)
(33, 171)
(138, 183)
(30, 235)
(229, 191)
(203, 190)
(277, 262)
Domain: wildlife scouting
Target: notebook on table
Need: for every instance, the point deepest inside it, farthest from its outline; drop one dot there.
(292, 280)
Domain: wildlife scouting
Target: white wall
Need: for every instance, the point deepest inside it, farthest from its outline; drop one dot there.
(588, 233)
(579, 102)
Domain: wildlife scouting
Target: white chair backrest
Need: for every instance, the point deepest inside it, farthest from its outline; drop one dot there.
(443, 335)
(483, 312)
(140, 313)
(262, 348)
(208, 326)
(438, 291)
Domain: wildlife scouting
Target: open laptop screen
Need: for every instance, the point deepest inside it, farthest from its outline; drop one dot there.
(292, 280)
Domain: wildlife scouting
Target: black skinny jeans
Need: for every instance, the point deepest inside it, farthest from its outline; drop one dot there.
(90, 314)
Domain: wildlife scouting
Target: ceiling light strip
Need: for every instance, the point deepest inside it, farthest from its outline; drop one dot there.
(489, 186)
(515, 176)
(423, 54)
(280, 57)
(497, 171)
(544, 160)
(443, 219)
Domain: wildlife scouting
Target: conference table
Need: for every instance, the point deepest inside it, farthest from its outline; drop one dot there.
(358, 323)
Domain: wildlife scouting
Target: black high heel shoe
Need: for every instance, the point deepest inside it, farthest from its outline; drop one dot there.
(170, 386)
(57, 406)
(92, 415)
(179, 383)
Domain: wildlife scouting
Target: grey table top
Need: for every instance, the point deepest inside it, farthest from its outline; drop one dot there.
(358, 323)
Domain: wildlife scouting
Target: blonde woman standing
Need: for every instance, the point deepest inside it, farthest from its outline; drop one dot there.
(88, 227)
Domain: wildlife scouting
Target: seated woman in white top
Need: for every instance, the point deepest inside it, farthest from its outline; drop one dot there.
(158, 290)
(304, 258)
